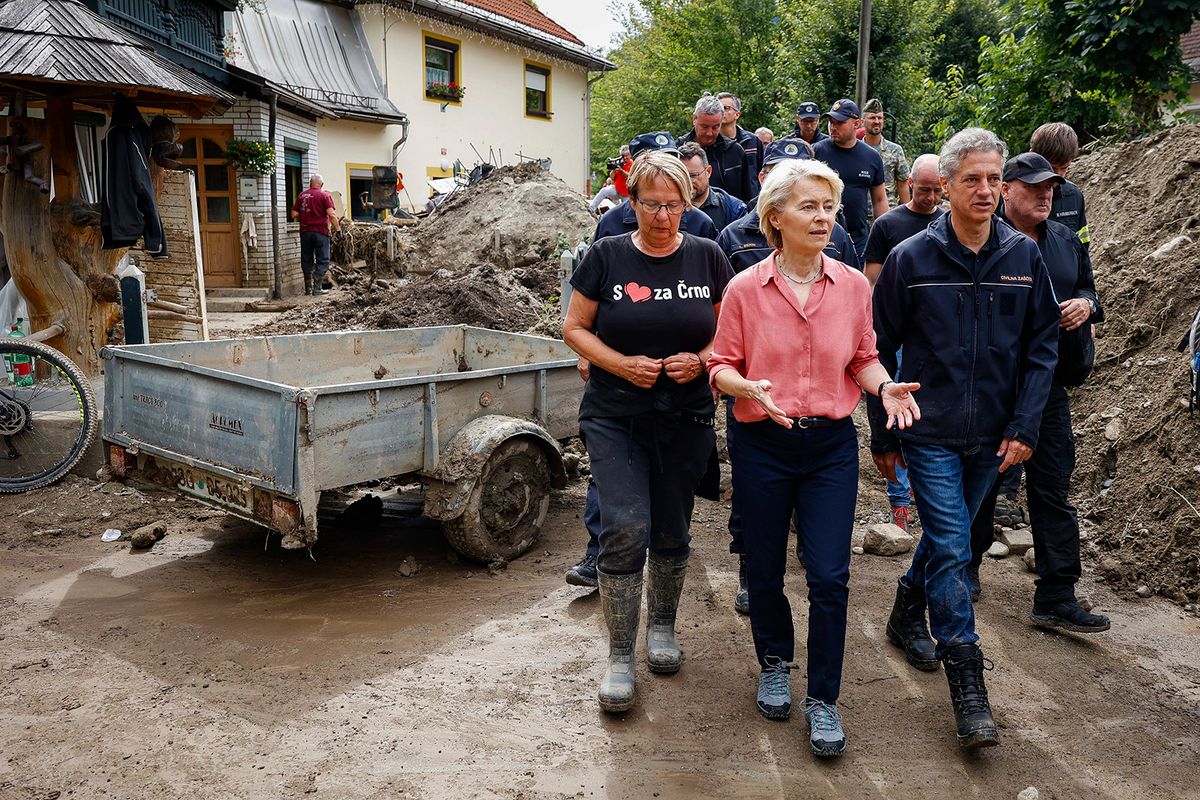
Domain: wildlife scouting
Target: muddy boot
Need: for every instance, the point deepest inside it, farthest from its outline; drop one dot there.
(308, 284)
(663, 587)
(907, 629)
(741, 600)
(964, 672)
(621, 599)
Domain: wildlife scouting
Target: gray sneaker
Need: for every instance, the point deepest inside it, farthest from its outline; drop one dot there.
(825, 733)
(775, 689)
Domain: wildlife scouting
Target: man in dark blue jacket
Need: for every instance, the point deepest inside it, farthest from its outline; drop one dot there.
(971, 303)
(733, 169)
(1029, 182)
(720, 206)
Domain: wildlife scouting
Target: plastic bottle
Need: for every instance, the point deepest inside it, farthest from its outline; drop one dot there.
(22, 365)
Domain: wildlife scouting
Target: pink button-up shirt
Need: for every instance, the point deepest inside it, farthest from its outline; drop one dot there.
(809, 354)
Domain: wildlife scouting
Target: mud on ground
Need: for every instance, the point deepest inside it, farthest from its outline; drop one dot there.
(386, 666)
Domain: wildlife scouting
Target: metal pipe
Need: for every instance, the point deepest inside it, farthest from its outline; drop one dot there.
(864, 52)
(271, 120)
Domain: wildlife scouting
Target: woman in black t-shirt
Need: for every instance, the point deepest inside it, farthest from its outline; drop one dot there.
(644, 312)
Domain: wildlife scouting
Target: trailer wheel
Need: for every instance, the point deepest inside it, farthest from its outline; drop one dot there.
(504, 513)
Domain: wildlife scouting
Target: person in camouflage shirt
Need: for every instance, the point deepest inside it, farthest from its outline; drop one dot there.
(895, 165)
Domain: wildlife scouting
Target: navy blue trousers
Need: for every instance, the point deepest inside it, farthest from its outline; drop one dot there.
(646, 470)
(815, 473)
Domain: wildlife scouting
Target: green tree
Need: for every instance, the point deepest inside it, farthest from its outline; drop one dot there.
(1131, 47)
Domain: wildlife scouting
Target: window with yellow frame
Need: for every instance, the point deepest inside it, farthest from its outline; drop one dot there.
(443, 68)
(537, 90)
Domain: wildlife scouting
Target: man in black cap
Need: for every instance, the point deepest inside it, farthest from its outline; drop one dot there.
(733, 170)
(859, 167)
(1028, 191)
(808, 123)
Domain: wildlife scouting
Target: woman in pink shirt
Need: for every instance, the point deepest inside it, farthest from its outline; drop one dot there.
(795, 347)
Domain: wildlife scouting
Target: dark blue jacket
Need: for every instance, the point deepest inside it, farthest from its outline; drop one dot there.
(623, 220)
(722, 208)
(752, 145)
(733, 169)
(745, 245)
(979, 332)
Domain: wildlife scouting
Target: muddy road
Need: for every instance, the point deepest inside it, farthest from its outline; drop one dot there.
(210, 667)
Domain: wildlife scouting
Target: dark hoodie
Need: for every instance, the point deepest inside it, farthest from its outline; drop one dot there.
(128, 210)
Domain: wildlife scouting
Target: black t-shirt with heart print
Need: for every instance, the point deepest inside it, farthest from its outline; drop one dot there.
(655, 307)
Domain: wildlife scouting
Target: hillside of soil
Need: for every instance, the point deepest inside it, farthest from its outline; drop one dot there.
(1138, 476)
(486, 256)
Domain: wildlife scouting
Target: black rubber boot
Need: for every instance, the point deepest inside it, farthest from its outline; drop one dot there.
(908, 630)
(621, 599)
(741, 600)
(972, 713)
(308, 284)
(663, 588)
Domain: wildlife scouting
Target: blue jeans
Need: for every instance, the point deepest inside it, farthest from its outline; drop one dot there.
(951, 484)
(314, 255)
(898, 490)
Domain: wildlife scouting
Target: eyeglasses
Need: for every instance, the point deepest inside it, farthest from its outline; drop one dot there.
(674, 208)
(694, 175)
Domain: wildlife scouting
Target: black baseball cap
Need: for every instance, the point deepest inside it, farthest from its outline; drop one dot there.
(785, 149)
(655, 140)
(843, 110)
(1030, 168)
(808, 110)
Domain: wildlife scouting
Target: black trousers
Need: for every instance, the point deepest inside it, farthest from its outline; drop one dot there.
(813, 472)
(646, 470)
(1051, 516)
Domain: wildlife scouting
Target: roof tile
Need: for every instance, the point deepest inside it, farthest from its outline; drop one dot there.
(527, 14)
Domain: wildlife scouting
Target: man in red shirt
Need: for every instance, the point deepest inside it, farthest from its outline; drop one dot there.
(314, 209)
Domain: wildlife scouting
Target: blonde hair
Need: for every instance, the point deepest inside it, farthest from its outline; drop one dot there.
(660, 164)
(777, 190)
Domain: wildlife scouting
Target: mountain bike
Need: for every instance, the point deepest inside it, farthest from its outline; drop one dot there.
(47, 415)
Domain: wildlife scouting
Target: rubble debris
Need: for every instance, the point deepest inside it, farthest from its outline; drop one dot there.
(886, 539)
(1135, 471)
(147, 535)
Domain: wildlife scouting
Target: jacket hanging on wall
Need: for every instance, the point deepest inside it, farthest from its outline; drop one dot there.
(128, 210)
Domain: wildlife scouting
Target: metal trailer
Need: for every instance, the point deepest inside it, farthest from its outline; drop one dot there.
(259, 427)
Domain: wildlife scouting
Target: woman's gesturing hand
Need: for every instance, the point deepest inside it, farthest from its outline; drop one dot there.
(899, 404)
(641, 371)
(760, 392)
(683, 367)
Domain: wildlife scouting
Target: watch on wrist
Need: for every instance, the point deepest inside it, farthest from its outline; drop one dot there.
(885, 383)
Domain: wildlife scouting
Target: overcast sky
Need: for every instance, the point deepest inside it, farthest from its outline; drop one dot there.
(590, 20)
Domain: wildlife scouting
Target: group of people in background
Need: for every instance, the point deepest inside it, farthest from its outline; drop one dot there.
(793, 277)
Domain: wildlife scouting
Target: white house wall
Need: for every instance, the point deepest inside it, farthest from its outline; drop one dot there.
(491, 115)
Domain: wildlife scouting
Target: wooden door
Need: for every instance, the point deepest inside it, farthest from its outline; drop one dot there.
(216, 201)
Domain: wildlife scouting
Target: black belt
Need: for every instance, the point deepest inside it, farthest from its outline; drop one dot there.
(813, 422)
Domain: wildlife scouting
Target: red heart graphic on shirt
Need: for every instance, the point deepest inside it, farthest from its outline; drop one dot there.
(637, 293)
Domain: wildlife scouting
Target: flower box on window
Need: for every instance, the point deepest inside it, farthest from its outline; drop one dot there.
(445, 91)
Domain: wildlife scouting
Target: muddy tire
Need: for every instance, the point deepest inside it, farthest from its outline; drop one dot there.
(504, 513)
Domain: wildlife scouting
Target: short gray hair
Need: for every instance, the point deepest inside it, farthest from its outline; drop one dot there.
(778, 186)
(737, 101)
(316, 178)
(968, 140)
(709, 104)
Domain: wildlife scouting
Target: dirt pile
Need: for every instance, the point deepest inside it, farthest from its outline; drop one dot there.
(488, 256)
(1138, 474)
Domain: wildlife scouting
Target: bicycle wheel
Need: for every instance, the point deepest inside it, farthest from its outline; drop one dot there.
(47, 416)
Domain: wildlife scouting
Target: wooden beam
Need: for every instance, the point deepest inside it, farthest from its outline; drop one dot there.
(64, 155)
